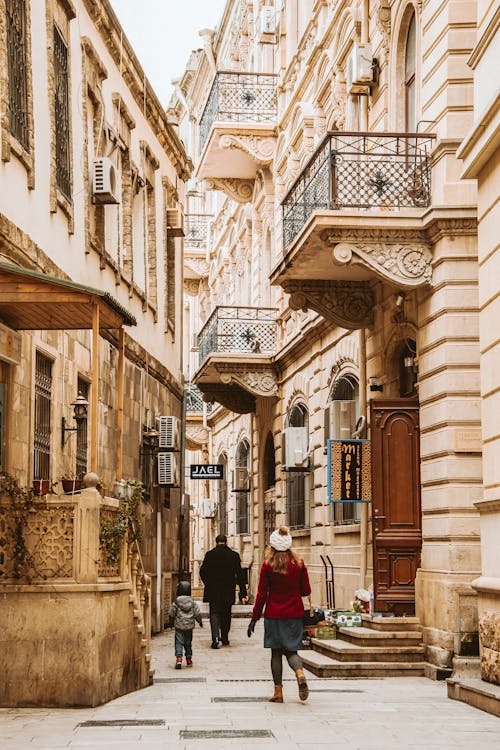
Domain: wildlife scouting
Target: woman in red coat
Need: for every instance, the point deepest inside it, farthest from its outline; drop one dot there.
(283, 582)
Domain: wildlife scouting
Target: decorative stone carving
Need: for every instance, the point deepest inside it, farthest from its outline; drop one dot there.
(191, 287)
(406, 262)
(196, 436)
(261, 150)
(339, 96)
(344, 303)
(261, 383)
(384, 24)
(238, 190)
(232, 397)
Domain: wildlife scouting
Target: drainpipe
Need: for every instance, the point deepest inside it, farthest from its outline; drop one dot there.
(363, 541)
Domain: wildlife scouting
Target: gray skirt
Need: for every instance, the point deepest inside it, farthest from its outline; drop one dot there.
(285, 634)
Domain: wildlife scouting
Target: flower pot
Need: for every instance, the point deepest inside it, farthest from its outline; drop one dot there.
(41, 486)
(71, 485)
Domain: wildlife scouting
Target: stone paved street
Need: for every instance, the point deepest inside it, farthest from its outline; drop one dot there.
(225, 694)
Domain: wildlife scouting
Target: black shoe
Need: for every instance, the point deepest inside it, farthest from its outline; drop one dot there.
(214, 644)
(225, 643)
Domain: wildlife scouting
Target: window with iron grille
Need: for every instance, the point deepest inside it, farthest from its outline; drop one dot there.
(81, 434)
(62, 121)
(242, 504)
(17, 61)
(297, 483)
(222, 496)
(43, 403)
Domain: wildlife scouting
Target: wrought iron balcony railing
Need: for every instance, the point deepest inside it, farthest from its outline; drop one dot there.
(239, 97)
(196, 229)
(239, 329)
(360, 170)
(194, 400)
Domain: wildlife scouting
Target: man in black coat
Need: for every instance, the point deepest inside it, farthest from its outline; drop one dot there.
(220, 572)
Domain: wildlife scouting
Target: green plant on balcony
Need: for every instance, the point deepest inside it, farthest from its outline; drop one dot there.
(127, 521)
(15, 513)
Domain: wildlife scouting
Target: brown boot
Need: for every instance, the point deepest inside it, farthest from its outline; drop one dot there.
(278, 694)
(302, 683)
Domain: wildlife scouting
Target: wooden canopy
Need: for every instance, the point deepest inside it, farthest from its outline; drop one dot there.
(34, 301)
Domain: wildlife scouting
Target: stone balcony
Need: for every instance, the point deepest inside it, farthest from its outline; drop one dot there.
(355, 215)
(237, 133)
(236, 349)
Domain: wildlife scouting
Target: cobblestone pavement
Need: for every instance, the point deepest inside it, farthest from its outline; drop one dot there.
(221, 703)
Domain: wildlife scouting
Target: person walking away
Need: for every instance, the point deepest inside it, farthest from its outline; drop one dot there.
(183, 614)
(283, 581)
(221, 572)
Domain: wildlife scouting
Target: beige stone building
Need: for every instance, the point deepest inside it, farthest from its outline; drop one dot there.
(91, 193)
(346, 291)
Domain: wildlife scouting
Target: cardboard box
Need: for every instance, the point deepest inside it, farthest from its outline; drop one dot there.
(326, 633)
(348, 619)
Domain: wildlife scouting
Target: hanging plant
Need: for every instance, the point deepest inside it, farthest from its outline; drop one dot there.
(126, 521)
(16, 511)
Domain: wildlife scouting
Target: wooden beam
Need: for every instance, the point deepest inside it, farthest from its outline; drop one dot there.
(120, 395)
(94, 441)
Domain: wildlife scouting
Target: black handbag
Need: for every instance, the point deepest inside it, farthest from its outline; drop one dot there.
(312, 615)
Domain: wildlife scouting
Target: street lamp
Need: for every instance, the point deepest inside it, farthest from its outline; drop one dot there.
(80, 410)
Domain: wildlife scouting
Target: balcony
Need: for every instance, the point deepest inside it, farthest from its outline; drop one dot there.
(355, 214)
(196, 230)
(239, 122)
(236, 346)
(196, 411)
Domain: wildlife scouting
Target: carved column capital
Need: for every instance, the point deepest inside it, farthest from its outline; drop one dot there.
(348, 304)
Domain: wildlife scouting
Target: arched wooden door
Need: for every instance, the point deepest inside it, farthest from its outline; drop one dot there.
(396, 509)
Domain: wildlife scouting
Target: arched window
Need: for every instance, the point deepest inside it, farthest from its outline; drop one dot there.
(242, 487)
(410, 78)
(408, 370)
(269, 482)
(341, 417)
(297, 482)
(222, 496)
(269, 463)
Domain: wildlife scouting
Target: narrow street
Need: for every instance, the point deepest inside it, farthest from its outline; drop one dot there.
(221, 702)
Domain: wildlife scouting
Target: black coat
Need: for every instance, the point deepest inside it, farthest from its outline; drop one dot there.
(221, 572)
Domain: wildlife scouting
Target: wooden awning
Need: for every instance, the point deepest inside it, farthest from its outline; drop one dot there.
(35, 301)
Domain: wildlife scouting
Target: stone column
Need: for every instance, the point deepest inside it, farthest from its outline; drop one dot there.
(86, 551)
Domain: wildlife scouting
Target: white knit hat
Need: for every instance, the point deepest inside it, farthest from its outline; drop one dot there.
(279, 541)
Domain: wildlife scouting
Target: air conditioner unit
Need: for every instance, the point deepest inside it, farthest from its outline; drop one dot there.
(359, 71)
(267, 24)
(340, 420)
(175, 222)
(168, 470)
(104, 181)
(209, 508)
(241, 479)
(168, 427)
(295, 448)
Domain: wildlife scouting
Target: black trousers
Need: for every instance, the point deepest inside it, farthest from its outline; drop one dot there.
(220, 621)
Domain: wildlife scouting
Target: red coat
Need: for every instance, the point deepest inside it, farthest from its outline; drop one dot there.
(281, 593)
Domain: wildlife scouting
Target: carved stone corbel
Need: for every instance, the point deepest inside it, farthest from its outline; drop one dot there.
(232, 397)
(348, 304)
(238, 190)
(260, 383)
(196, 436)
(260, 149)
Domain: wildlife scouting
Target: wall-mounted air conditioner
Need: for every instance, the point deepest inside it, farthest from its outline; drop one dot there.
(169, 432)
(168, 469)
(359, 70)
(340, 420)
(209, 509)
(295, 448)
(175, 222)
(241, 479)
(267, 25)
(104, 181)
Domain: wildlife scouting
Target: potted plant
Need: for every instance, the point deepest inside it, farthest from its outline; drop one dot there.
(41, 486)
(71, 485)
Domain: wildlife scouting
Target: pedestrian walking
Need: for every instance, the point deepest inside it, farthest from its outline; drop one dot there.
(283, 581)
(221, 572)
(183, 614)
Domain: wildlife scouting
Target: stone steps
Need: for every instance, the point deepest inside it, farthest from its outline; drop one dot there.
(365, 636)
(475, 692)
(391, 623)
(323, 666)
(345, 651)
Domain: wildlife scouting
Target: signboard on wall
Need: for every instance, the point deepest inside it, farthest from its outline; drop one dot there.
(206, 471)
(349, 471)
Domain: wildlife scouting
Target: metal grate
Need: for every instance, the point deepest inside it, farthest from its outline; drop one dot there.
(82, 434)
(239, 97)
(360, 170)
(196, 229)
(61, 106)
(43, 402)
(194, 400)
(240, 699)
(215, 734)
(17, 62)
(239, 329)
(122, 723)
(179, 679)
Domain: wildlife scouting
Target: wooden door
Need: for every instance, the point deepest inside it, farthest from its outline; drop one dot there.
(396, 511)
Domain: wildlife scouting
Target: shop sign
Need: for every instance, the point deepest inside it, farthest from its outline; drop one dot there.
(206, 471)
(349, 471)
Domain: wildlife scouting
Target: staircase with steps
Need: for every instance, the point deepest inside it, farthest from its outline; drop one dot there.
(381, 647)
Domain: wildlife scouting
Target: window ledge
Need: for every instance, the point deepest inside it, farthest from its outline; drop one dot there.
(348, 528)
(300, 532)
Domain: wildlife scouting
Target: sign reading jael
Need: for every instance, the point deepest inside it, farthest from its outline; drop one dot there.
(349, 471)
